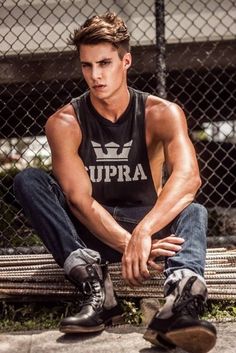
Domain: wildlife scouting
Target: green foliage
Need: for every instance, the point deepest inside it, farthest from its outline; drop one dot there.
(41, 316)
(33, 316)
(132, 313)
(221, 311)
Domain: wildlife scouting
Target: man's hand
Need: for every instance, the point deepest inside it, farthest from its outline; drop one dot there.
(164, 247)
(142, 251)
(135, 258)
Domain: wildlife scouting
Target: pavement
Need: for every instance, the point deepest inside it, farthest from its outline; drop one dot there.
(120, 339)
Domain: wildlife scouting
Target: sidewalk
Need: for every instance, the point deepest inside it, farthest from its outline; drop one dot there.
(121, 339)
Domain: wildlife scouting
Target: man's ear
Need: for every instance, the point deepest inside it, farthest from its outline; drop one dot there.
(127, 60)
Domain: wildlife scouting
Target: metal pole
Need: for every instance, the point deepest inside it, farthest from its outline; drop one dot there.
(160, 48)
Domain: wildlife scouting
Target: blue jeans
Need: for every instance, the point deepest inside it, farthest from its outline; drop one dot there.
(45, 205)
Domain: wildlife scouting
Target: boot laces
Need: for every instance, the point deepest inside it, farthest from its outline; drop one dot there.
(93, 296)
(193, 305)
(188, 303)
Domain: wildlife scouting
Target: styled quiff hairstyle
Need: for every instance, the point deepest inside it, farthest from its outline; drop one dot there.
(103, 28)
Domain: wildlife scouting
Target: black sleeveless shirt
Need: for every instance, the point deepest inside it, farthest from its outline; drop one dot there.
(115, 154)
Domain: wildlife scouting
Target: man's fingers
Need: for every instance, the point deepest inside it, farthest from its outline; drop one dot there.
(171, 239)
(137, 276)
(167, 246)
(162, 252)
(134, 273)
(174, 239)
(140, 272)
(123, 268)
(135, 259)
(144, 269)
(155, 266)
(130, 273)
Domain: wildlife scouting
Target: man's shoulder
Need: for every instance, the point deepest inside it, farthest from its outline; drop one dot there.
(138, 92)
(63, 119)
(81, 97)
(163, 116)
(160, 108)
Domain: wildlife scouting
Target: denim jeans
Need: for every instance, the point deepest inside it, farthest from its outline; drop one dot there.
(45, 205)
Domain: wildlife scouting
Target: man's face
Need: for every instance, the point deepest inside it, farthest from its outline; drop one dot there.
(103, 70)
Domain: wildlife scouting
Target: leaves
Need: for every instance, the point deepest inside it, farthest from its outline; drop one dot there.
(132, 314)
(221, 311)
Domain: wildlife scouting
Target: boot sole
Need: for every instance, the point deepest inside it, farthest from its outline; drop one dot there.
(158, 339)
(115, 320)
(82, 329)
(192, 340)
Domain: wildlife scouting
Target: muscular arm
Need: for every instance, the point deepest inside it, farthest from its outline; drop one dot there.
(64, 137)
(168, 124)
(165, 122)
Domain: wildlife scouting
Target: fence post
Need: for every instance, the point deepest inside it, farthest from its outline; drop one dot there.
(160, 48)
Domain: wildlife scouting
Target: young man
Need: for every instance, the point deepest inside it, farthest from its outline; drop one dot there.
(107, 203)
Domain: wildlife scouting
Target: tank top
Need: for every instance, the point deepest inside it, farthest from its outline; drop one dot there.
(115, 154)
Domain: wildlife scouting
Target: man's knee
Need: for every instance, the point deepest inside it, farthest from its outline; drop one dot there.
(196, 216)
(197, 210)
(27, 178)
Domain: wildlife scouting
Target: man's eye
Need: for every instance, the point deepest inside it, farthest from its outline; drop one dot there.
(104, 63)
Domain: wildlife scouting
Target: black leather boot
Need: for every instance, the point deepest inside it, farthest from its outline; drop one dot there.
(178, 323)
(99, 306)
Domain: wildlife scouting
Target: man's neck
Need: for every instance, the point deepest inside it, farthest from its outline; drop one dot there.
(113, 107)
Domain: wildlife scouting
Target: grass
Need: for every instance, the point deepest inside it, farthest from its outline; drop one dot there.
(221, 311)
(33, 316)
(41, 316)
(44, 316)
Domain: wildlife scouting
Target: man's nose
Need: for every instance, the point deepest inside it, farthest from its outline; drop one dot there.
(96, 73)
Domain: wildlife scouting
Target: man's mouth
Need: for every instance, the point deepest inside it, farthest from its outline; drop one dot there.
(98, 86)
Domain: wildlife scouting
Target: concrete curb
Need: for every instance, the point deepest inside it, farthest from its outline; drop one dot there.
(120, 339)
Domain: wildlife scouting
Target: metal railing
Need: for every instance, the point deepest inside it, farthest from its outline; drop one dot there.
(183, 50)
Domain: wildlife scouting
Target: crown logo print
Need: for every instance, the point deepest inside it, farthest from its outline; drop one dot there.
(111, 153)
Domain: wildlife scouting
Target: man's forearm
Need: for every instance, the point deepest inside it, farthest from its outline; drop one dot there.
(177, 194)
(99, 221)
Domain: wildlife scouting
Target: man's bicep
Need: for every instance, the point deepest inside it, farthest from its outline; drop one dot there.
(70, 172)
(64, 137)
(178, 148)
(180, 154)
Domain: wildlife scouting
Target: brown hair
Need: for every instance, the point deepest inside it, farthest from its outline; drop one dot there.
(103, 28)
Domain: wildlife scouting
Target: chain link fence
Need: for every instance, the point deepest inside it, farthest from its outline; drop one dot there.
(184, 50)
